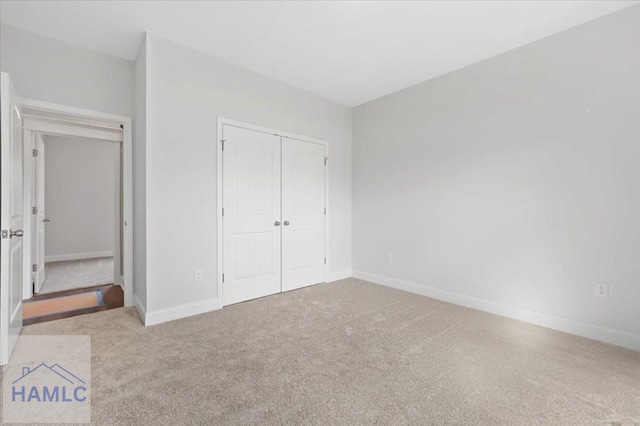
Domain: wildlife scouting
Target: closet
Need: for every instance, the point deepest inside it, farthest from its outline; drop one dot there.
(274, 213)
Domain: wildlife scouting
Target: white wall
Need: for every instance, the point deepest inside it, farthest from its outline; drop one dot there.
(186, 91)
(140, 182)
(50, 70)
(514, 181)
(81, 177)
(177, 95)
(46, 69)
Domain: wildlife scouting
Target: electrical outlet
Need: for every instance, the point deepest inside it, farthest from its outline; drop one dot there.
(602, 289)
(388, 259)
(197, 275)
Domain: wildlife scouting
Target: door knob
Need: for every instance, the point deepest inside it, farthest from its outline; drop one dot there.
(276, 223)
(18, 233)
(46, 219)
(286, 223)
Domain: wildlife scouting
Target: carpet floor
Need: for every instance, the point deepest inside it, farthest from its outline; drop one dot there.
(350, 353)
(72, 274)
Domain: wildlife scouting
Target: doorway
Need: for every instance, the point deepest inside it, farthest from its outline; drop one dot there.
(17, 204)
(272, 188)
(78, 181)
(76, 212)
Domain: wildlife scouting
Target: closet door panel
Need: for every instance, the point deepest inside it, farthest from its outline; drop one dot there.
(303, 213)
(251, 202)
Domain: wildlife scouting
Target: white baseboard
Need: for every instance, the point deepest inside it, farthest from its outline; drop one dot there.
(78, 256)
(603, 334)
(142, 312)
(337, 276)
(181, 311)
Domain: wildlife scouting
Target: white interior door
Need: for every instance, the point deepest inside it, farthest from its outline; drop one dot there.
(39, 218)
(303, 213)
(251, 219)
(11, 219)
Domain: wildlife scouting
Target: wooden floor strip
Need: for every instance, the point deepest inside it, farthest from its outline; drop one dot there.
(65, 304)
(62, 304)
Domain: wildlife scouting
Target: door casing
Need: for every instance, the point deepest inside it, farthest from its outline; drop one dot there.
(219, 164)
(127, 189)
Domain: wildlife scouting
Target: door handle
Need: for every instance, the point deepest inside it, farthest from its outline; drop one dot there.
(276, 223)
(286, 223)
(18, 233)
(46, 219)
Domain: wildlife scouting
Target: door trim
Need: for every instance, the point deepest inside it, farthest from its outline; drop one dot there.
(127, 196)
(220, 240)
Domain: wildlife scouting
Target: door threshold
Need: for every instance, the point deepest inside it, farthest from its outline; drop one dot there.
(71, 303)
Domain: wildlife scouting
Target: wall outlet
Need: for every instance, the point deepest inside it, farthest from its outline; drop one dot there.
(197, 275)
(387, 258)
(602, 289)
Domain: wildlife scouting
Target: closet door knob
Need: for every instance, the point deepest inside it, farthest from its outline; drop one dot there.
(276, 223)
(286, 223)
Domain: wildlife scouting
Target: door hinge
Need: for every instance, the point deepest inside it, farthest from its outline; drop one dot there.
(325, 260)
(325, 160)
(223, 141)
(222, 277)
(34, 267)
(34, 210)
(5, 233)
(223, 212)
(325, 210)
(34, 153)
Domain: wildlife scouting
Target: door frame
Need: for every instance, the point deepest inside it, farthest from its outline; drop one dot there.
(219, 184)
(127, 189)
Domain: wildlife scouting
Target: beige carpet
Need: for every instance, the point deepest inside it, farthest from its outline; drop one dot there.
(350, 353)
(72, 274)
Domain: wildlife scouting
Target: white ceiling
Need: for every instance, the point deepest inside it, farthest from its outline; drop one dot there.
(349, 52)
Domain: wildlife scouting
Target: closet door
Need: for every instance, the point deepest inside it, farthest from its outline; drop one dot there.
(251, 221)
(303, 213)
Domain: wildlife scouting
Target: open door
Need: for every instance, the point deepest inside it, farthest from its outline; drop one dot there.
(39, 216)
(11, 220)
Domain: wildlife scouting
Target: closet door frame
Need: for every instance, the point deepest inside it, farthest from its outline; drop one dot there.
(221, 121)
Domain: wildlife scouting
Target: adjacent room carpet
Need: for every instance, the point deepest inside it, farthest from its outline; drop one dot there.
(350, 353)
(72, 274)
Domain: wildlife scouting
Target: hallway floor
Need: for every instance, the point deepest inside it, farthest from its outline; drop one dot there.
(71, 303)
(72, 274)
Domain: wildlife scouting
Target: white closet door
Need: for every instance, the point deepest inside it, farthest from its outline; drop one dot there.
(303, 215)
(251, 221)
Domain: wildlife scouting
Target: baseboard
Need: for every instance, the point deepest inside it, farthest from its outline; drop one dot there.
(142, 312)
(607, 335)
(181, 311)
(77, 256)
(336, 276)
